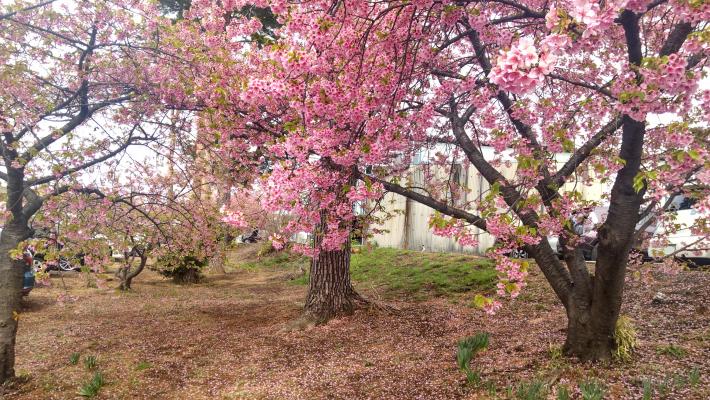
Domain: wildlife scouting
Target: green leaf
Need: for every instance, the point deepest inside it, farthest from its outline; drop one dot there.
(639, 181)
(368, 183)
(481, 301)
(291, 126)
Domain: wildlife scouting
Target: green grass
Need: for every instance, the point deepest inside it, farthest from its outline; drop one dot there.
(282, 259)
(413, 271)
(532, 390)
(672, 350)
(143, 365)
(647, 386)
(591, 390)
(694, 377)
(398, 271)
(563, 393)
(467, 348)
(90, 362)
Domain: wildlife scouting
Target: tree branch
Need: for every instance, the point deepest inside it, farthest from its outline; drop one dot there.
(428, 201)
(45, 179)
(28, 8)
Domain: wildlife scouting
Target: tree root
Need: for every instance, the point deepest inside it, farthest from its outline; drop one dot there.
(308, 320)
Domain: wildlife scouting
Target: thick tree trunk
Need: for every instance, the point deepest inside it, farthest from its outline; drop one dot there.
(593, 310)
(588, 338)
(187, 276)
(591, 317)
(11, 273)
(330, 292)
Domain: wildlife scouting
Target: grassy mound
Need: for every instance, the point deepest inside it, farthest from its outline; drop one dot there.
(415, 272)
(397, 271)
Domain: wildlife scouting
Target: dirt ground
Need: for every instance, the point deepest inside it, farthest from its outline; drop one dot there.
(224, 339)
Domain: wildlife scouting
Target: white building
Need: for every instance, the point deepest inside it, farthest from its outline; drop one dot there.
(409, 227)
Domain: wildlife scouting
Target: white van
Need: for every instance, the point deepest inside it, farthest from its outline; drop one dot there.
(682, 243)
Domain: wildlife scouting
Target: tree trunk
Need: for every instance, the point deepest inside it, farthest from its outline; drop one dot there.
(593, 310)
(217, 265)
(218, 260)
(330, 292)
(11, 274)
(126, 275)
(590, 335)
(588, 338)
(125, 284)
(187, 276)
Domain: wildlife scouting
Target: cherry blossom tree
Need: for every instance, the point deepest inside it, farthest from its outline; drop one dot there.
(74, 86)
(145, 211)
(347, 93)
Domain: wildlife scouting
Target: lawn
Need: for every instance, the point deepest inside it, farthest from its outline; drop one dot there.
(396, 273)
(224, 338)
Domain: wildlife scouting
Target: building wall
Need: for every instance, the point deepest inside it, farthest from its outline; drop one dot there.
(409, 227)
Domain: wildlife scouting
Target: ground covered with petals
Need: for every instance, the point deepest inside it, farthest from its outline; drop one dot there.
(225, 339)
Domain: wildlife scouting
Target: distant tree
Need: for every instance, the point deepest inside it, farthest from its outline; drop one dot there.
(74, 95)
(143, 212)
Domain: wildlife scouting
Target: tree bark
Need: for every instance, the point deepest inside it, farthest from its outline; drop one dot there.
(594, 308)
(11, 273)
(126, 274)
(218, 260)
(330, 292)
(590, 334)
(587, 338)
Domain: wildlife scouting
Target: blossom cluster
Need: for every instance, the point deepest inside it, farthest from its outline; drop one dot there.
(521, 68)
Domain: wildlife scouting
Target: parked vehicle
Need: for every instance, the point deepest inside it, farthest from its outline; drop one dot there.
(118, 256)
(253, 237)
(38, 262)
(682, 243)
(586, 228)
(28, 278)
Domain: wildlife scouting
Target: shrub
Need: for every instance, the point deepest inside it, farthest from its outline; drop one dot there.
(181, 268)
(266, 248)
(625, 338)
